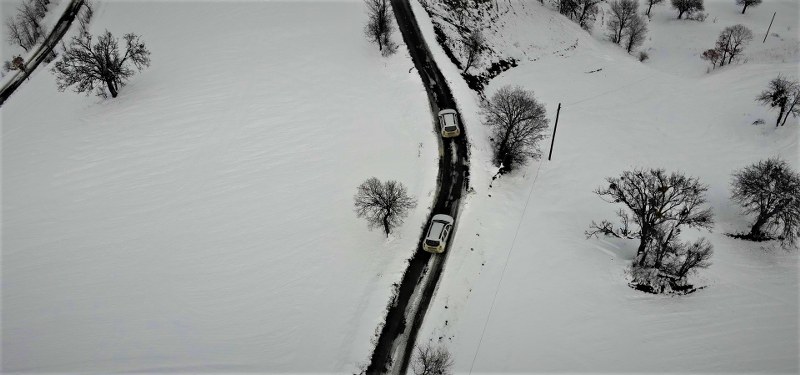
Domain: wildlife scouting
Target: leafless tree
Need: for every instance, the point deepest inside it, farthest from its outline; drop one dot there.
(731, 42)
(659, 205)
(771, 190)
(711, 55)
(87, 65)
(16, 35)
(784, 94)
(380, 25)
(383, 204)
(650, 4)
(518, 123)
(431, 360)
(635, 32)
(581, 11)
(687, 6)
(622, 13)
(25, 29)
(473, 44)
(748, 3)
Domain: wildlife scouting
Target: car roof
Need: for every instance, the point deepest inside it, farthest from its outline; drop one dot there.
(437, 226)
(446, 111)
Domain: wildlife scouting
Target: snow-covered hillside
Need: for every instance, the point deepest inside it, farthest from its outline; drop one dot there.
(524, 291)
(203, 220)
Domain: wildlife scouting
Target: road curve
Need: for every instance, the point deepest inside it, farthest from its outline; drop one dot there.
(47, 45)
(396, 341)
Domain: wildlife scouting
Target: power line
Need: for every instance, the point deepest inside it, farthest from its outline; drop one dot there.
(514, 241)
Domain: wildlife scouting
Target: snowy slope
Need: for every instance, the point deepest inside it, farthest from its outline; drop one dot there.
(202, 220)
(524, 291)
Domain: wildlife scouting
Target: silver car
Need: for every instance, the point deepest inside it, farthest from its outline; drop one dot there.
(448, 121)
(436, 239)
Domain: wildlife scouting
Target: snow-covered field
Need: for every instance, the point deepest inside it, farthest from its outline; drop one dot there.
(202, 220)
(524, 291)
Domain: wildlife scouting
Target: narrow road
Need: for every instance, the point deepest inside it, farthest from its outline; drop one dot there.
(403, 320)
(47, 45)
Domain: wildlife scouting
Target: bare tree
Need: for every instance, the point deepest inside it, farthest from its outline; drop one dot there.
(379, 26)
(771, 190)
(473, 44)
(731, 42)
(650, 4)
(687, 6)
(636, 32)
(86, 65)
(784, 94)
(659, 206)
(25, 29)
(17, 35)
(432, 361)
(581, 11)
(622, 13)
(748, 3)
(713, 56)
(518, 123)
(383, 204)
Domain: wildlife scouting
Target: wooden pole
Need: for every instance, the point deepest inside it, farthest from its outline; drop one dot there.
(553, 140)
(770, 26)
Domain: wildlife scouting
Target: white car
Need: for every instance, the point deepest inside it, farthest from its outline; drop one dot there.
(448, 121)
(436, 239)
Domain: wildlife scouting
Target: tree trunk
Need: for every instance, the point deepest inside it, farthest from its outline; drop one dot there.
(780, 115)
(386, 227)
(680, 13)
(789, 111)
(745, 7)
(648, 10)
(502, 151)
(755, 232)
(469, 62)
(112, 88)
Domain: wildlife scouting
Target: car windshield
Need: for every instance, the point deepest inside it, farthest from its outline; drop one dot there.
(432, 243)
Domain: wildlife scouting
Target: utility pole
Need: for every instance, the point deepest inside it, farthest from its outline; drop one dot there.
(553, 139)
(770, 26)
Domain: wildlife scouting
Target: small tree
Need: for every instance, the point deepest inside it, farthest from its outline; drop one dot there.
(687, 6)
(87, 65)
(473, 44)
(518, 123)
(379, 26)
(622, 13)
(770, 189)
(747, 3)
(713, 56)
(383, 204)
(432, 361)
(636, 32)
(650, 4)
(784, 94)
(659, 205)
